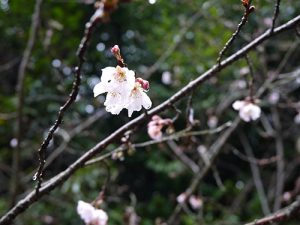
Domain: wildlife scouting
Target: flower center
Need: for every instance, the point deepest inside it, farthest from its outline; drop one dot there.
(120, 74)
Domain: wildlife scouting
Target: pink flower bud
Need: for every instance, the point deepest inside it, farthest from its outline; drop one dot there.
(154, 132)
(181, 198)
(144, 84)
(115, 50)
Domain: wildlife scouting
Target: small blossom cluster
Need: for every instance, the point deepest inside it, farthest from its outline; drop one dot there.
(248, 110)
(156, 125)
(91, 215)
(195, 201)
(124, 91)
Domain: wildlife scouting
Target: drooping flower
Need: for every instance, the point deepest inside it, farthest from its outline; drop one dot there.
(91, 215)
(247, 110)
(137, 99)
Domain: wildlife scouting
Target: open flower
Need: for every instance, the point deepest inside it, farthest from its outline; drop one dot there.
(91, 215)
(123, 90)
(181, 198)
(195, 201)
(247, 110)
(156, 125)
(137, 99)
(115, 79)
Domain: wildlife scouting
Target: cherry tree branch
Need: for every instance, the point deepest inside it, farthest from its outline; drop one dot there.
(248, 10)
(23, 204)
(256, 176)
(276, 13)
(279, 216)
(20, 96)
(72, 97)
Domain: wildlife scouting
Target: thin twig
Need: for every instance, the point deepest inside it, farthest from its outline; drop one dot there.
(72, 97)
(60, 178)
(280, 163)
(78, 129)
(276, 13)
(281, 215)
(175, 136)
(183, 157)
(213, 151)
(260, 162)
(256, 176)
(248, 10)
(251, 79)
(20, 96)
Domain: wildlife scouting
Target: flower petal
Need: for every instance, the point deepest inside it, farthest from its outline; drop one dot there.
(146, 101)
(85, 211)
(237, 105)
(100, 88)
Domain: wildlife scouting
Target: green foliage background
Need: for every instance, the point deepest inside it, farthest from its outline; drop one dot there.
(151, 178)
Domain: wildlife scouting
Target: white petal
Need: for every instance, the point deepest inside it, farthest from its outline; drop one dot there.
(85, 211)
(100, 217)
(114, 103)
(146, 101)
(237, 105)
(107, 73)
(255, 112)
(100, 88)
(244, 114)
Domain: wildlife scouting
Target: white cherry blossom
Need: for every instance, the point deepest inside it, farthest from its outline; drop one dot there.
(115, 79)
(137, 99)
(247, 110)
(123, 90)
(91, 215)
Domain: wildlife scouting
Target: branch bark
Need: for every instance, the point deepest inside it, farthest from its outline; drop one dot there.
(281, 215)
(23, 204)
(20, 96)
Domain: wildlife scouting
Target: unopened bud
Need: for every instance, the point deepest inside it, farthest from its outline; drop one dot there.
(144, 83)
(115, 50)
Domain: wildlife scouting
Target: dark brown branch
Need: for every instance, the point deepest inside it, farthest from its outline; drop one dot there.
(23, 204)
(276, 13)
(281, 215)
(72, 97)
(20, 96)
(248, 10)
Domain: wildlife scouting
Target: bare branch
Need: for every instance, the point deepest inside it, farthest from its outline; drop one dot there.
(256, 176)
(248, 10)
(23, 204)
(281, 215)
(72, 97)
(20, 96)
(280, 163)
(276, 13)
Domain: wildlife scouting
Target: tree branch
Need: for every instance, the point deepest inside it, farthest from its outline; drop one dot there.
(72, 97)
(276, 13)
(23, 204)
(281, 215)
(248, 10)
(20, 96)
